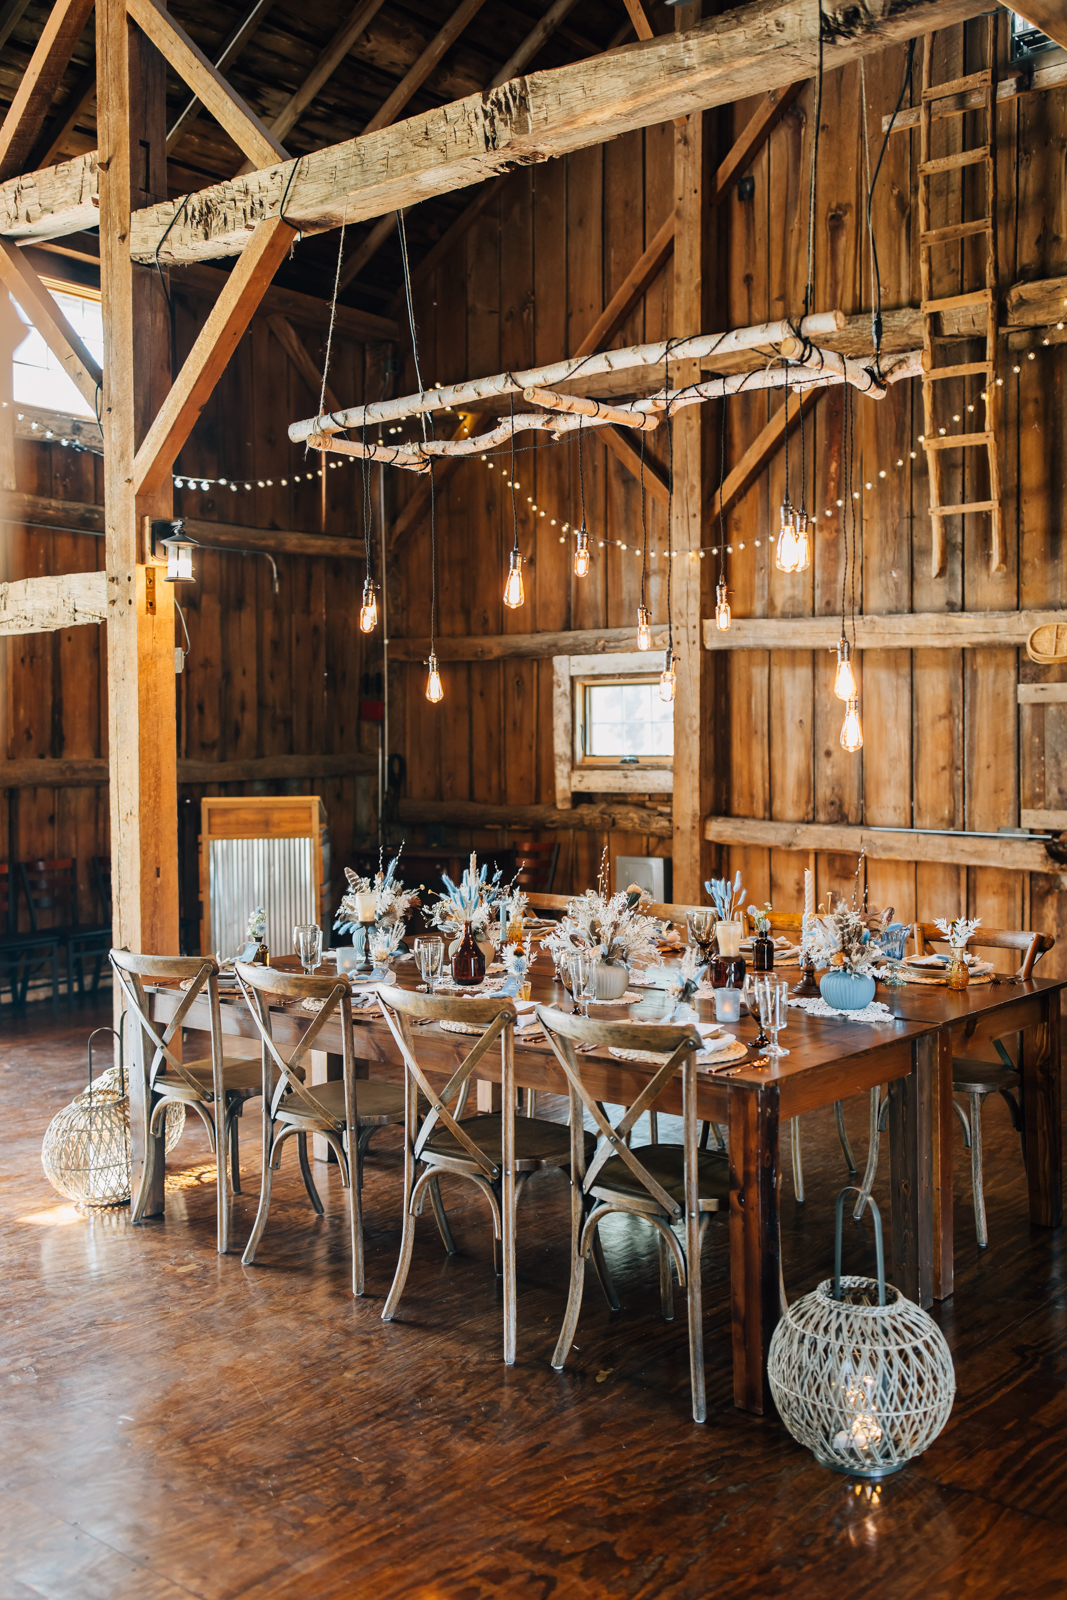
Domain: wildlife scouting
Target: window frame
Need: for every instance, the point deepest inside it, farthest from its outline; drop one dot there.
(577, 773)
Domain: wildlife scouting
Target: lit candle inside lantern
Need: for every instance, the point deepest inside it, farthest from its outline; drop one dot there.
(366, 905)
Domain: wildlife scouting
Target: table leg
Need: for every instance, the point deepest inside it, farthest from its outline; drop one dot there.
(1042, 1117)
(754, 1239)
(911, 1134)
(942, 1174)
(137, 1088)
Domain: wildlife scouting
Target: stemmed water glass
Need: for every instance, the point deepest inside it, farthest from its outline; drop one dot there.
(772, 995)
(307, 937)
(430, 960)
(583, 979)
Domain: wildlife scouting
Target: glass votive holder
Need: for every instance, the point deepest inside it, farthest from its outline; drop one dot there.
(525, 990)
(727, 1005)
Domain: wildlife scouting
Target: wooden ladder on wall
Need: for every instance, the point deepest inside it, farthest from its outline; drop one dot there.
(939, 434)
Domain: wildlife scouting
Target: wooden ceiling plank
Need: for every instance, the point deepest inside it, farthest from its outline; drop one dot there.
(231, 49)
(11, 14)
(764, 45)
(53, 140)
(418, 73)
(537, 36)
(1050, 17)
(23, 284)
(215, 343)
(246, 130)
(636, 13)
(33, 97)
(326, 65)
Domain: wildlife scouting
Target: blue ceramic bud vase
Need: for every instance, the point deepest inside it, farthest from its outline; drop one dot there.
(847, 991)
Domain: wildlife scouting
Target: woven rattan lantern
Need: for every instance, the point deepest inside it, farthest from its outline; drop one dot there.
(173, 1117)
(86, 1150)
(860, 1375)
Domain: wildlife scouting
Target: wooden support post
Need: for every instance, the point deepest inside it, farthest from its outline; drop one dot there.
(911, 1133)
(692, 730)
(140, 644)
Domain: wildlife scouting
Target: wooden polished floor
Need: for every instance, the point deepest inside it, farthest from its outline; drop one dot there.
(176, 1424)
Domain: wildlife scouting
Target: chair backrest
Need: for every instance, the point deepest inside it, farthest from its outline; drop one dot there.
(678, 1044)
(1033, 945)
(9, 900)
(536, 865)
(661, 910)
(260, 986)
(494, 1013)
(50, 886)
(152, 1042)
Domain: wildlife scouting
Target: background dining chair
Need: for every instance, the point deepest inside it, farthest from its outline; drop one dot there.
(497, 1152)
(666, 1184)
(215, 1087)
(971, 1075)
(536, 869)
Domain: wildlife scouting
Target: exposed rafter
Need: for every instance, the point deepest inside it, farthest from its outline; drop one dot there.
(231, 49)
(760, 46)
(28, 110)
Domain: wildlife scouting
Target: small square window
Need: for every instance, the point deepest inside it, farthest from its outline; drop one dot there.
(623, 722)
(38, 379)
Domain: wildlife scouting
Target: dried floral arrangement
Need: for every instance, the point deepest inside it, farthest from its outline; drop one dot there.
(761, 919)
(386, 941)
(392, 902)
(256, 926)
(475, 899)
(843, 939)
(959, 933)
(616, 927)
(726, 897)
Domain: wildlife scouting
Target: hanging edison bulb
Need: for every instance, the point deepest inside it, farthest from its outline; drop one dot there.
(722, 607)
(666, 677)
(368, 616)
(785, 553)
(514, 594)
(845, 679)
(434, 692)
(644, 628)
(581, 553)
(801, 541)
(851, 731)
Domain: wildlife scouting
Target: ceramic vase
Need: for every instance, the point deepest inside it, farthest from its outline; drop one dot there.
(847, 991)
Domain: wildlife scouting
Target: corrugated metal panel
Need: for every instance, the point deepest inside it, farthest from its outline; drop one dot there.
(275, 873)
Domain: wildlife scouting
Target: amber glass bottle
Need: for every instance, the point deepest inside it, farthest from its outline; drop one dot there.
(468, 963)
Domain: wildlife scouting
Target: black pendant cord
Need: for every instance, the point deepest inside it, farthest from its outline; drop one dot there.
(803, 460)
(366, 499)
(785, 497)
(644, 525)
(854, 499)
(722, 495)
(433, 564)
(514, 507)
(581, 472)
(846, 468)
(809, 289)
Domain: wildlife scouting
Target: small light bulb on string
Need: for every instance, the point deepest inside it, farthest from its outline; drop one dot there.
(644, 628)
(582, 555)
(845, 678)
(722, 608)
(667, 677)
(851, 731)
(434, 692)
(368, 616)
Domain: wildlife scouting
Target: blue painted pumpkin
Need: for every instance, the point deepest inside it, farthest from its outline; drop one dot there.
(847, 991)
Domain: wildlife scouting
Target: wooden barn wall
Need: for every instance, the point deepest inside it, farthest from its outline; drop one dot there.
(943, 732)
(267, 674)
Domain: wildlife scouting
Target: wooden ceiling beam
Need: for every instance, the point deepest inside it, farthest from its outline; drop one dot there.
(56, 133)
(327, 64)
(41, 605)
(538, 35)
(231, 49)
(752, 138)
(286, 336)
(11, 14)
(215, 343)
(233, 113)
(762, 450)
(1049, 16)
(764, 45)
(26, 115)
(23, 284)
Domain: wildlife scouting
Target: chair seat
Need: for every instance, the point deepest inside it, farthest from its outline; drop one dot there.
(241, 1075)
(375, 1103)
(971, 1076)
(666, 1163)
(538, 1143)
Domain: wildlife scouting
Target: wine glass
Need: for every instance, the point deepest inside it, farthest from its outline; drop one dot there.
(430, 959)
(583, 978)
(773, 997)
(307, 937)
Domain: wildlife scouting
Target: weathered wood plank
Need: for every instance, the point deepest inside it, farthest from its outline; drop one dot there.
(905, 631)
(40, 605)
(593, 818)
(760, 46)
(493, 647)
(956, 849)
(87, 772)
(50, 59)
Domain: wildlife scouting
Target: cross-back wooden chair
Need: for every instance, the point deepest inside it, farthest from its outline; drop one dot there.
(215, 1087)
(665, 1184)
(497, 1152)
(291, 1108)
(971, 1076)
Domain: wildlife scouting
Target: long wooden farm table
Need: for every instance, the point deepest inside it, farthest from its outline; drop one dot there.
(830, 1059)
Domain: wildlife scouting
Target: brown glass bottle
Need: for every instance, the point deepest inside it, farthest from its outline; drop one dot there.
(468, 963)
(763, 953)
(728, 972)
